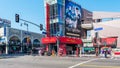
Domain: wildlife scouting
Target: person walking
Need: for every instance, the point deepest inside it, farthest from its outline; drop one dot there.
(112, 53)
(39, 52)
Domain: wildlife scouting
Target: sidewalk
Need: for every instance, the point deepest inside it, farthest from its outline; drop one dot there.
(83, 55)
(91, 55)
(3, 56)
(88, 55)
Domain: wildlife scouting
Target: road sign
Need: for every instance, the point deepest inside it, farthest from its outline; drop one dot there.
(44, 32)
(98, 29)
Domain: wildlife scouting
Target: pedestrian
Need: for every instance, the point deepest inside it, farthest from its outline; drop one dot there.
(112, 53)
(102, 52)
(105, 53)
(109, 51)
(39, 51)
(97, 52)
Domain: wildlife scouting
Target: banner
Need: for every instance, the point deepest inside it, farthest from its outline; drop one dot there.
(73, 13)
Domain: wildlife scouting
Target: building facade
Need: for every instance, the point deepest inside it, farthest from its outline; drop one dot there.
(105, 33)
(63, 26)
(14, 41)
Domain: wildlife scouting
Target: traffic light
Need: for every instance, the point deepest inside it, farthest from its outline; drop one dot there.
(17, 18)
(41, 27)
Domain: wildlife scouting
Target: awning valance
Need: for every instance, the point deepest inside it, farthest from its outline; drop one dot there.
(64, 40)
(48, 40)
(68, 40)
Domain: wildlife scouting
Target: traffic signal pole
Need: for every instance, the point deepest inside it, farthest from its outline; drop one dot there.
(17, 19)
(29, 22)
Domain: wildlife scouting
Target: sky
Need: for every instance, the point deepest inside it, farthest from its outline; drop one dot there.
(34, 10)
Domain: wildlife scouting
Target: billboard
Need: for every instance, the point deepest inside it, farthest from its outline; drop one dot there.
(5, 22)
(73, 15)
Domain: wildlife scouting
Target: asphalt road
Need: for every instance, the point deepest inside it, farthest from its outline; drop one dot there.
(58, 62)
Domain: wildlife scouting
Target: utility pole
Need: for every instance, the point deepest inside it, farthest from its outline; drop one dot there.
(97, 49)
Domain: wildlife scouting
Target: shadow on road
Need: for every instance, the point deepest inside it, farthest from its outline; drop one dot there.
(5, 56)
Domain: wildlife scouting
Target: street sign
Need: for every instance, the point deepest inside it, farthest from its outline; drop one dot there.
(98, 29)
(44, 33)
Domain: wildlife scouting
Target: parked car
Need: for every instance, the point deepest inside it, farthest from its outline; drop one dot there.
(116, 51)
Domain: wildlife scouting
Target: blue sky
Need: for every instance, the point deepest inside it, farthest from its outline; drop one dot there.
(33, 10)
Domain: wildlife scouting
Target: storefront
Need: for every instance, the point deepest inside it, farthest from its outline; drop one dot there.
(63, 26)
(63, 45)
(15, 41)
(104, 43)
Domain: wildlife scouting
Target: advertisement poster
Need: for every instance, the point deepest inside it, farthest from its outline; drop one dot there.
(73, 17)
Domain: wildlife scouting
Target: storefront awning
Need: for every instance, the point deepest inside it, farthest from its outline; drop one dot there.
(107, 41)
(68, 40)
(64, 40)
(111, 40)
(49, 40)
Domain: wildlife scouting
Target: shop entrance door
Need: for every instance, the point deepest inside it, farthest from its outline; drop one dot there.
(71, 49)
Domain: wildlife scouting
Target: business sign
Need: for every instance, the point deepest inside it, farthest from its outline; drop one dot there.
(48, 40)
(109, 41)
(5, 22)
(72, 19)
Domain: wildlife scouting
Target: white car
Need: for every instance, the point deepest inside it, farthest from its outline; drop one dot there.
(116, 52)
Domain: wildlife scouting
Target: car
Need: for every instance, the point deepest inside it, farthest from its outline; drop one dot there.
(116, 51)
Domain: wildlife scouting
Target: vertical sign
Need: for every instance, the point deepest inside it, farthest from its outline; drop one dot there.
(48, 19)
(73, 14)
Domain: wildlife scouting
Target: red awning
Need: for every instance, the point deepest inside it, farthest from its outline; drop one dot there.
(109, 41)
(49, 40)
(64, 40)
(68, 40)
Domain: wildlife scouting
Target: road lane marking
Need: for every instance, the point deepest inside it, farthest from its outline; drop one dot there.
(98, 66)
(81, 63)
